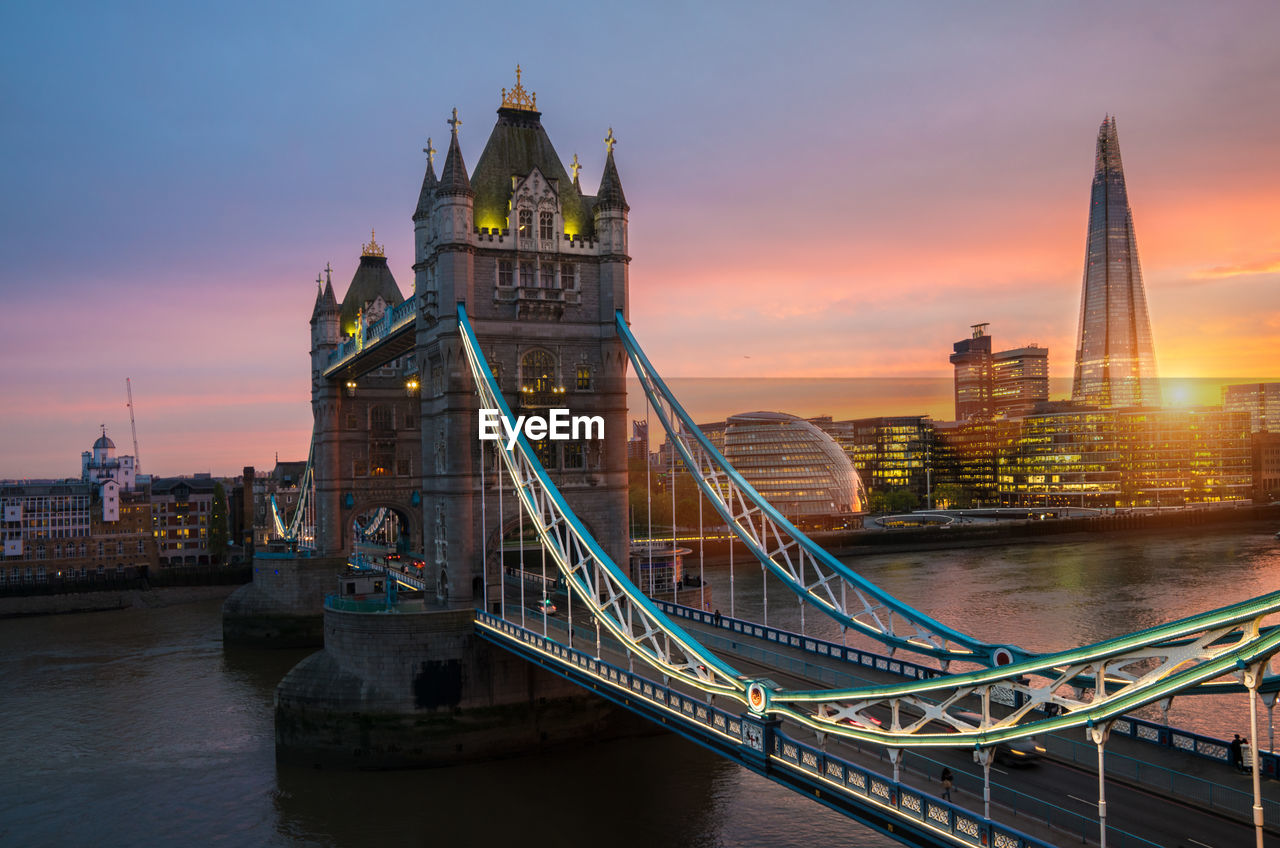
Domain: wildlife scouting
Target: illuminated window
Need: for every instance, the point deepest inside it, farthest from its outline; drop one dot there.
(584, 378)
(546, 226)
(573, 455)
(537, 371)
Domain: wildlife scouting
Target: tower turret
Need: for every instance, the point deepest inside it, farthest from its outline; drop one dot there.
(611, 231)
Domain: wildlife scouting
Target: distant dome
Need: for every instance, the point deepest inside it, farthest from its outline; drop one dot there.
(797, 467)
(104, 442)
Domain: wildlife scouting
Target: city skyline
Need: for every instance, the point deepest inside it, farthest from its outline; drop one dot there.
(177, 243)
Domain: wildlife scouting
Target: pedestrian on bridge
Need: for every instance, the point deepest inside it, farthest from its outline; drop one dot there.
(948, 780)
(1237, 753)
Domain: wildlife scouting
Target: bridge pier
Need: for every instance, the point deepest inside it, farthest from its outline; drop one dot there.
(283, 606)
(410, 686)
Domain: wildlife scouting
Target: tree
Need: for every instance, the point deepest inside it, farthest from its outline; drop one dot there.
(952, 496)
(892, 500)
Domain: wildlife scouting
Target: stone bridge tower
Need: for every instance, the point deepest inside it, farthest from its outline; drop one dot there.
(541, 268)
(366, 435)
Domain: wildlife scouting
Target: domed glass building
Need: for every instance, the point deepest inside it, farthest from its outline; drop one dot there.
(797, 467)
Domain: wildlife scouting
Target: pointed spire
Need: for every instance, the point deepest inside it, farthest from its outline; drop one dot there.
(610, 194)
(453, 177)
(427, 195)
(1108, 155)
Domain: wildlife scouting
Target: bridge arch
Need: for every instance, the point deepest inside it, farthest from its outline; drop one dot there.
(408, 520)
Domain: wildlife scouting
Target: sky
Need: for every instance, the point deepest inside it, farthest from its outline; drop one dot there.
(817, 190)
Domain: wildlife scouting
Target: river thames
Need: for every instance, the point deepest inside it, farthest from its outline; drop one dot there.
(137, 728)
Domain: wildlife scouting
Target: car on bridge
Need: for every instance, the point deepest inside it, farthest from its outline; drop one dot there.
(545, 606)
(1011, 752)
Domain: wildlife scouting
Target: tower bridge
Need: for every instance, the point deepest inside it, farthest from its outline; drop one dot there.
(520, 304)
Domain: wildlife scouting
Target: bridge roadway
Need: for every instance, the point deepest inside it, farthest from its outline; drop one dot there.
(1052, 782)
(1053, 800)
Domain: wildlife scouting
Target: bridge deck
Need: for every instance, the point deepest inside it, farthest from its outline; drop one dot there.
(1210, 801)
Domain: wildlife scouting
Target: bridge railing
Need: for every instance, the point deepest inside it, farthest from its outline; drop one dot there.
(1196, 789)
(807, 765)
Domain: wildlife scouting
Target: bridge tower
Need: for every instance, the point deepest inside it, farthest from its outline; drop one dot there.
(366, 434)
(541, 267)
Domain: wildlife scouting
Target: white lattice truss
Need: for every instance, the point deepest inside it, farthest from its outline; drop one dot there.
(803, 566)
(592, 576)
(1073, 688)
(301, 528)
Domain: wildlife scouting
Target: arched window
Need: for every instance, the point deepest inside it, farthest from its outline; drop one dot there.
(546, 226)
(526, 223)
(537, 372)
(584, 378)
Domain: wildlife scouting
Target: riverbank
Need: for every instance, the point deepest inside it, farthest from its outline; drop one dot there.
(103, 601)
(871, 542)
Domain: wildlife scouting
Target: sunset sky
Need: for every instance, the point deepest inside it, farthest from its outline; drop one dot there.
(817, 190)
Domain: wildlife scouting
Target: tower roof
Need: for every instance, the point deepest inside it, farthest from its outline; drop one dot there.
(427, 196)
(104, 442)
(453, 177)
(518, 144)
(610, 195)
(326, 302)
(373, 279)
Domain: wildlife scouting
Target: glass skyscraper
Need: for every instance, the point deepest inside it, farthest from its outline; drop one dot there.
(1115, 356)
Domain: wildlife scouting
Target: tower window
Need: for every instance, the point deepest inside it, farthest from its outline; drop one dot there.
(568, 276)
(546, 226)
(526, 223)
(547, 277)
(505, 275)
(537, 371)
(526, 275)
(584, 378)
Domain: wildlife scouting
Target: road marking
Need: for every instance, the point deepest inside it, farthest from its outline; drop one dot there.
(1002, 771)
(1082, 801)
(1198, 842)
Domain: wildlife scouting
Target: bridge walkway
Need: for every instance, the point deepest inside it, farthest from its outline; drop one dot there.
(1208, 801)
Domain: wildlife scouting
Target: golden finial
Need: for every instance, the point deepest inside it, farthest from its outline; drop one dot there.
(454, 122)
(372, 248)
(609, 141)
(575, 167)
(431, 151)
(520, 99)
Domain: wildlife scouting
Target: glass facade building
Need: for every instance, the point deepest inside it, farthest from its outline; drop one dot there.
(798, 469)
(888, 452)
(1115, 357)
(1260, 401)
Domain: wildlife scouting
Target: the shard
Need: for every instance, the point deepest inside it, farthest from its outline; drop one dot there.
(1115, 356)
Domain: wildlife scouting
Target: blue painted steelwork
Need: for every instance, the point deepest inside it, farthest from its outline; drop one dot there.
(881, 615)
(392, 321)
(593, 576)
(905, 813)
(1139, 729)
(297, 532)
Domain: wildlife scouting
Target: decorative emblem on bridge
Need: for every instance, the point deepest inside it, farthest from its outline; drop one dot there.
(372, 248)
(757, 698)
(520, 99)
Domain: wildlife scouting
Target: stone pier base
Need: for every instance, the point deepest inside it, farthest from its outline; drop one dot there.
(419, 688)
(284, 605)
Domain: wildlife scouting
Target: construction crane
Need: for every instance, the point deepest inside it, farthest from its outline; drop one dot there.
(133, 425)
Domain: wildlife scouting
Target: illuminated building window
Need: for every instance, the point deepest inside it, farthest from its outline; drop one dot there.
(537, 372)
(584, 378)
(545, 450)
(573, 455)
(546, 226)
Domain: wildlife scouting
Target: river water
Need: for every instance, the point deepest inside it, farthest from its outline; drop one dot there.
(137, 727)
